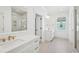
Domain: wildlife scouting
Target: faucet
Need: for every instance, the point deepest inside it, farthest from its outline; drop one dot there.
(11, 37)
(6, 38)
(3, 40)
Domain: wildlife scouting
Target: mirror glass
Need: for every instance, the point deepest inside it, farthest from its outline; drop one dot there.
(19, 19)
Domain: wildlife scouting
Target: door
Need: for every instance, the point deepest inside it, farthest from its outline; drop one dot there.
(38, 25)
(1, 23)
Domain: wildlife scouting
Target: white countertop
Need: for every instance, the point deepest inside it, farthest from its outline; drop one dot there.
(8, 46)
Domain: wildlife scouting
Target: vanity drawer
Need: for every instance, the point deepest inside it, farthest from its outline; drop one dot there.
(36, 41)
(36, 47)
(28, 49)
(25, 47)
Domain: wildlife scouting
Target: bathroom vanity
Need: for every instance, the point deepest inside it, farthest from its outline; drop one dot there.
(24, 44)
(14, 23)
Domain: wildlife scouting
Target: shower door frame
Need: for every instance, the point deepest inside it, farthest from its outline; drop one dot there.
(40, 21)
(75, 22)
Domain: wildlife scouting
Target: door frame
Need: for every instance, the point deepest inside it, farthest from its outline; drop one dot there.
(75, 22)
(36, 24)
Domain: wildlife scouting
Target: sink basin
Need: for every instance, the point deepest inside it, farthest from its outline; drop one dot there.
(10, 42)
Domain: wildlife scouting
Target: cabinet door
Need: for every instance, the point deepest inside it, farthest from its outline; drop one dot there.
(28, 49)
(25, 48)
(1, 23)
(36, 45)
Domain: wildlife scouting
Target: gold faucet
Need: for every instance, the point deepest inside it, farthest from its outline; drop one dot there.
(11, 37)
(3, 40)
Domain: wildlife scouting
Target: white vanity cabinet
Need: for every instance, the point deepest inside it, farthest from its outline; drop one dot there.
(36, 45)
(32, 47)
(28, 47)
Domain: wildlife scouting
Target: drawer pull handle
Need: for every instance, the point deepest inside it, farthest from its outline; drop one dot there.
(36, 48)
(36, 41)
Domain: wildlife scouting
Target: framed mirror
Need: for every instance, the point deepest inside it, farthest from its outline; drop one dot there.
(19, 19)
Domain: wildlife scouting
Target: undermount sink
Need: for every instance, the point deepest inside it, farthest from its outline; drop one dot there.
(10, 42)
(5, 39)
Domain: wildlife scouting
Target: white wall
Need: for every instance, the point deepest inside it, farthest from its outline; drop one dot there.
(53, 26)
(7, 18)
(72, 25)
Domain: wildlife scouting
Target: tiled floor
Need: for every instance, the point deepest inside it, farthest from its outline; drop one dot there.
(57, 46)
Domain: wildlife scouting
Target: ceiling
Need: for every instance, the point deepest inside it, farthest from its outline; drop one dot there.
(56, 9)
